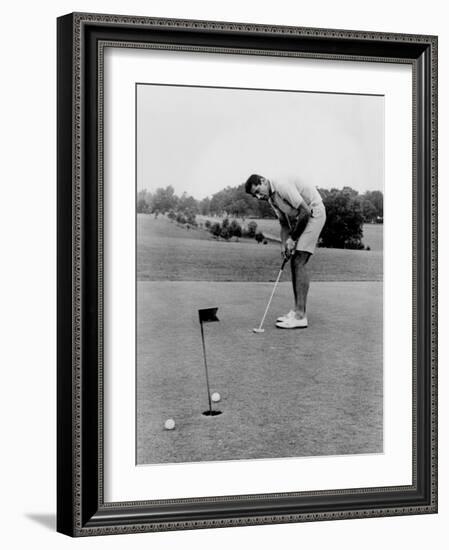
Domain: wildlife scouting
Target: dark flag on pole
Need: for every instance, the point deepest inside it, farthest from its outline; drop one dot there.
(207, 316)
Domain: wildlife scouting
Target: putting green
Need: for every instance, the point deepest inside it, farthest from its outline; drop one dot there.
(284, 393)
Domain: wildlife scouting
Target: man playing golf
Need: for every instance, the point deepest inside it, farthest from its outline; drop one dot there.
(301, 213)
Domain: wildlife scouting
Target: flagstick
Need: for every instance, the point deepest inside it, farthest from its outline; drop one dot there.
(205, 366)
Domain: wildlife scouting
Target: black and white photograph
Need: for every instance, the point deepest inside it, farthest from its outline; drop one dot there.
(259, 273)
(221, 285)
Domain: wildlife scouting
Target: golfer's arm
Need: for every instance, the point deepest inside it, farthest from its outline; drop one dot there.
(285, 231)
(301, 221)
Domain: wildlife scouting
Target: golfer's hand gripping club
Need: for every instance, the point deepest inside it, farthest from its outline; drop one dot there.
(288, 250)
(290, 247)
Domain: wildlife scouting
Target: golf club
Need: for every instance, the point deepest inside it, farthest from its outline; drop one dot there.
(260, 329)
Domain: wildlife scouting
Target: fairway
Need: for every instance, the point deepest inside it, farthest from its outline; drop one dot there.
(284, 393)
(168, 252)
(373, 236)
(372, 233)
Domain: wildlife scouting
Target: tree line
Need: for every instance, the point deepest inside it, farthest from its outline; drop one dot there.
(346, 209)
(231, 201)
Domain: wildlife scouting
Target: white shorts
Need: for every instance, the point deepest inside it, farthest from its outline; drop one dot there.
(309, 237)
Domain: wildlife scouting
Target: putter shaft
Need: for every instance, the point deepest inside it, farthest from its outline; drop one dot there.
(272, 294)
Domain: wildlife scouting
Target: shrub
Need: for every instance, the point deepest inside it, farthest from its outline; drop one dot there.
(225, 233)
(354, 244)
(215, 229)
(180, 218)
(235, 229)
(251, 230)
(191, 218)
(207, 224)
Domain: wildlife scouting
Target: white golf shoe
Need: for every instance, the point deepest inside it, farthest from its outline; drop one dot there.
(285, 317)
(293, 322)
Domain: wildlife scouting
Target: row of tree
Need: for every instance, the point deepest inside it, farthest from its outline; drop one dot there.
(346, 210)
(234, 202)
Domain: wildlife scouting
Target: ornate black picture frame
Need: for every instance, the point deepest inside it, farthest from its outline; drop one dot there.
(81, 509)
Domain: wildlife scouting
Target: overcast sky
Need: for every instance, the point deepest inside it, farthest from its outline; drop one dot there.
(201, 140)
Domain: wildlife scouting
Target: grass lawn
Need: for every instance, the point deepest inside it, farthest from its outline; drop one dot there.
(168, 252)
(307, 392)
(373, 236)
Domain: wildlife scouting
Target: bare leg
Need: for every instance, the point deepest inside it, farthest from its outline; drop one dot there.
(300, 281)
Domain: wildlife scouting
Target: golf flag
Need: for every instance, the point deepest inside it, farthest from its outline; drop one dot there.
(208, 315)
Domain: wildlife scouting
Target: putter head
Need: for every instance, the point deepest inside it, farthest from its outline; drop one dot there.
(258, 330)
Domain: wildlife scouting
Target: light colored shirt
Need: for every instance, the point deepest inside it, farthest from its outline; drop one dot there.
(286, 195)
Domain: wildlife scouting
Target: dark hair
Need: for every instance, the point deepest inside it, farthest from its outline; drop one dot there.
(254, 179)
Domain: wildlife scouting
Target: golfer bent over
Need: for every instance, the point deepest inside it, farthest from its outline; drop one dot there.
(301, 213)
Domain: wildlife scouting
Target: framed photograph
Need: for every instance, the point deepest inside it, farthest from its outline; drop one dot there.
(247, 274)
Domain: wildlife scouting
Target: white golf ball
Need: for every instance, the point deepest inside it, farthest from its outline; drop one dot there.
(170, 424)
(215, 397)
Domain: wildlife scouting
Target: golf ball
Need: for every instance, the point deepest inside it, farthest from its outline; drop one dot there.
(215, 397)
(170, 424)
